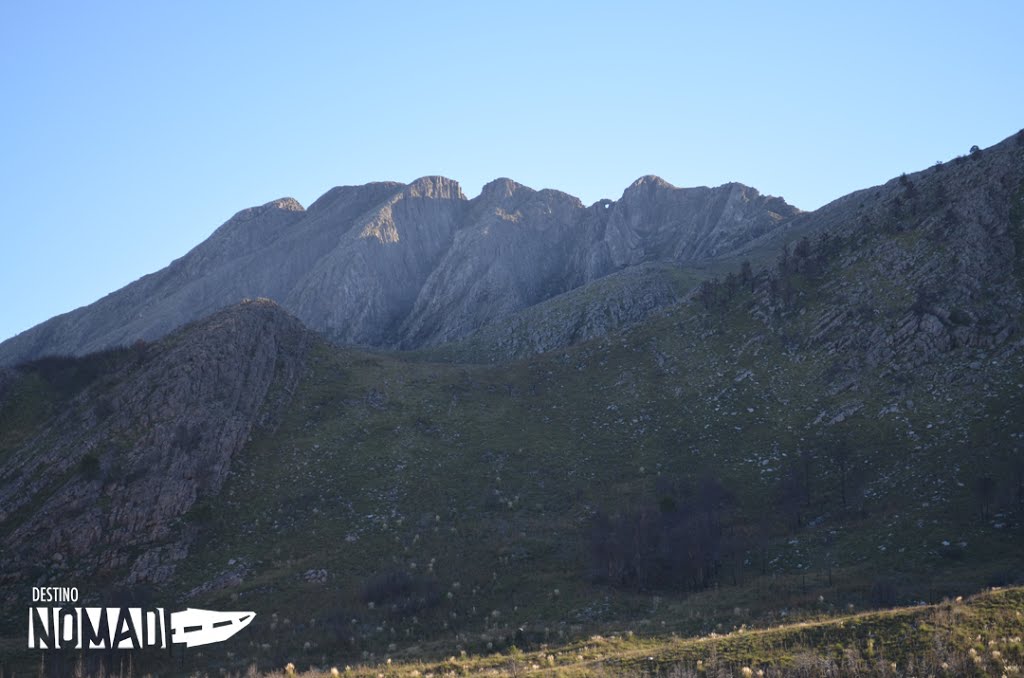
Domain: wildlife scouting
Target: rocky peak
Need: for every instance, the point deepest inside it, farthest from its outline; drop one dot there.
(250, 213)
(501, 189)
(373, 191)
(441, 188)
(249, 316)
(555, 197)
(289, 204)
(645, 186)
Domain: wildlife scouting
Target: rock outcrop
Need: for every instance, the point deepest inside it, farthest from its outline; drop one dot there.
(614, 302)
(404, 266)
(104, 484)
(922, 265)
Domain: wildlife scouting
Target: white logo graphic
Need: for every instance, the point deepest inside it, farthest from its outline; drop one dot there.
(129, 628)
(202, 627)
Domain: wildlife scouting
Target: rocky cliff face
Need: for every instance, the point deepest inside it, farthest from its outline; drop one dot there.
(612, 303)
(900, 273)
(142, 435)
(395, 266)
(922, 265)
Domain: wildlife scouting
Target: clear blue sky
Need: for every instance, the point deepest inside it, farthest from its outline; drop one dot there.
(128, 132)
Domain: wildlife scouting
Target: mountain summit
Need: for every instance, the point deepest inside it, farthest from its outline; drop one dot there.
(833, 417)
(404, 266)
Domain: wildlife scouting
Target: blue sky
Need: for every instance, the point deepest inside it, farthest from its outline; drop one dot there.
(128, 132)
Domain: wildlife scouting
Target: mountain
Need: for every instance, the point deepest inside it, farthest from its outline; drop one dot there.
(143, 433)
(835, 427)
(393, 266)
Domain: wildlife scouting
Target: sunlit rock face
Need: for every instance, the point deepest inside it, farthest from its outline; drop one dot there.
(404, 266)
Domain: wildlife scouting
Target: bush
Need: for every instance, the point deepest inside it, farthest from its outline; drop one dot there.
(89, 466)
(884, 593)
(104, 408)
(186, 437)
(959, 317)
(401, 591)
(676, 542)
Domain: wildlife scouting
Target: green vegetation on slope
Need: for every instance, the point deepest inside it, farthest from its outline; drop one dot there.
(859, 405)
(473, 491)
(977, 637)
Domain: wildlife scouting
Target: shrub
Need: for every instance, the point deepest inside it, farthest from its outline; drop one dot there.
(403, 592)
(884, 593)
(104, 408)
(186, 437)
(959, 317)
(676, 542)
(89, 466)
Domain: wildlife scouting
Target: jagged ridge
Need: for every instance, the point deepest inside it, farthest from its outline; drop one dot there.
(403, 266)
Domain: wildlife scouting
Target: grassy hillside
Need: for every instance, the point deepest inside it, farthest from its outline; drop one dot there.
(415, 510)
(837, 433)
(977, 637)
(418, 509)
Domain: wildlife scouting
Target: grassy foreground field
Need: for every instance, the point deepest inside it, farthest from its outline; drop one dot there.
(979, 636)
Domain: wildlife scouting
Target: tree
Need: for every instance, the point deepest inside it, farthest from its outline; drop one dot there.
(806, 461)
(786, 290)
(908, 186)
(676, 542)
(985, 490)
(762, 537)
(747, 274)
(803, 248)
(783, 264)
(1018, 476)
(803, 261)
(731, 285)
(790, 496)
(708, 293)
(841, 454)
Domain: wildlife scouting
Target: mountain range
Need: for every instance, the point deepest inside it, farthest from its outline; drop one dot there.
(685, 411)
(388, 265)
